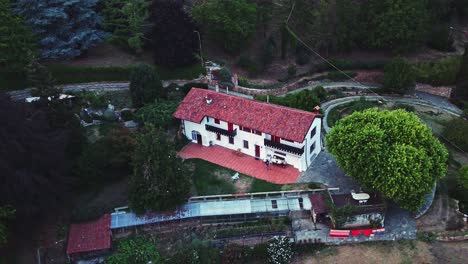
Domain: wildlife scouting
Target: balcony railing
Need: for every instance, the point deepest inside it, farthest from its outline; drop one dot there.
(221, 131)
(283, 147)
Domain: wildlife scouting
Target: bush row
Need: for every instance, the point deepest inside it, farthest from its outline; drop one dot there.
(440, 72)
(79, 74)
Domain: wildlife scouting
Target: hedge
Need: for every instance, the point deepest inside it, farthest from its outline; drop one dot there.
(83, 74)
(440, 72)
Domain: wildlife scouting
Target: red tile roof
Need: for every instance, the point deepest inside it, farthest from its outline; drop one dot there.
(272, 119)
(91, 236)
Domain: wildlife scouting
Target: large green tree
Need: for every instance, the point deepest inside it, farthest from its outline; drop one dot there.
(232, 22)
(391, 152)
(174, 35)
(135, 251)
(145, 85)
(126, 19)
(160, 180)
(17, 44)
(396, 24)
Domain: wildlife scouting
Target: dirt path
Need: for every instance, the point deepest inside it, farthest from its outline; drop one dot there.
(436, 218)
(392, 252)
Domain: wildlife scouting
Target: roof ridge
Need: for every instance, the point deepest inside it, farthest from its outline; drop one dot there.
(259, 102)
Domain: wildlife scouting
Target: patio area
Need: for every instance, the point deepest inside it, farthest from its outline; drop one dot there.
(241, 163)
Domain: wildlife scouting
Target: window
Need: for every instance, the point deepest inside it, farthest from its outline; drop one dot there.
(207, 119)
(246, 144)
(231, 140)
(274, 204)
(257, 132)
(312, 133)
(312, 147)
(218, 137)
(246, 129)
(194, 135)
(216, 121)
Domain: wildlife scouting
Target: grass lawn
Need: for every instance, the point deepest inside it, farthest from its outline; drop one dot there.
(206, 178)
(212, 179)
(264, 186)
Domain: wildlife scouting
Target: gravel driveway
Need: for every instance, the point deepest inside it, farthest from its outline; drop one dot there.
(325, 170)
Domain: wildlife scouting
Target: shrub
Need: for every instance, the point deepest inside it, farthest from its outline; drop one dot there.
(292, 70)
(398, 75)
(127, 115)
(225, 75)
(145, 85)
(441, 38)
(305, 100)
(408, 108)
(426, 236)
(362, 104)
(456, 131)
(248, 64)
(106, 160)
(341, 76)
(279, 250)
(463, 176)
(440, 72)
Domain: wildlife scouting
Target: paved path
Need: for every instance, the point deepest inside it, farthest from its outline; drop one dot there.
(93, 87)
(325, 170)
(429, 101)
(333, 85)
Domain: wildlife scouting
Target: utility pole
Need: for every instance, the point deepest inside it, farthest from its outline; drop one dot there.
(199, 43)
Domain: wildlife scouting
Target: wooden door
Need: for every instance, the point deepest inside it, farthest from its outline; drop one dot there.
(257, 151)
(199, 139)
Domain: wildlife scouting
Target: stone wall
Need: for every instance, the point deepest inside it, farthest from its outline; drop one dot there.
(443, 91)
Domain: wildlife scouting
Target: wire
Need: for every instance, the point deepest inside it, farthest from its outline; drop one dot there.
(345, 74)
(330, 63)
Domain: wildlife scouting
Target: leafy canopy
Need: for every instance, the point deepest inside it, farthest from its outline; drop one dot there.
(135, 251)
(65, 28)
(145, 85)
(397, 25)
(125, 19)
(175, 42)
(463, 176)
(231, 23)
(391, 152)
(279, 250)
(33, 159)
(160, 180)
(17, 44)
(158, 114)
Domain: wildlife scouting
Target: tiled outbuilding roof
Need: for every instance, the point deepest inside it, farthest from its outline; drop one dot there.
(91, 236)
(288, 123)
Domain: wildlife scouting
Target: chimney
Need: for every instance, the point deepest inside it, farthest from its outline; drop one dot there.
(317, 109)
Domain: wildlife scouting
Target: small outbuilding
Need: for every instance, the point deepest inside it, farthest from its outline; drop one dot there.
(89, 240)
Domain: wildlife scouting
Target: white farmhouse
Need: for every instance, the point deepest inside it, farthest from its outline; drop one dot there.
(261, 130)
